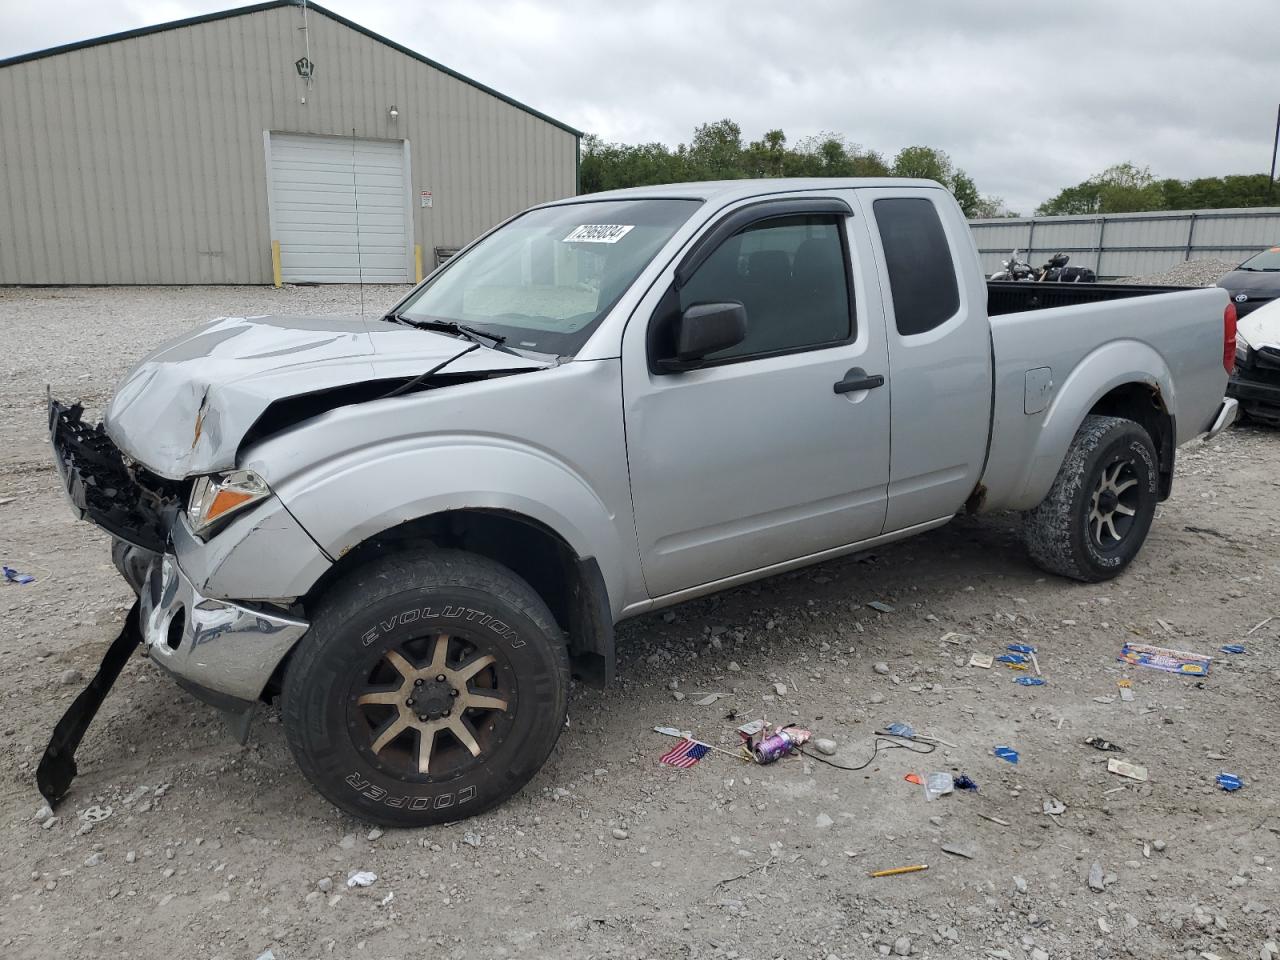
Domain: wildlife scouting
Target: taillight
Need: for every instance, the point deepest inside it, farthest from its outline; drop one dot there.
(1229, 338)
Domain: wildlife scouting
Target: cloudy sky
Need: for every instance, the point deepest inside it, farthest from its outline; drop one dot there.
(1027, 97)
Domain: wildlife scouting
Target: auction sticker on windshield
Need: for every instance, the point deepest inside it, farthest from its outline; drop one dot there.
(598, 233)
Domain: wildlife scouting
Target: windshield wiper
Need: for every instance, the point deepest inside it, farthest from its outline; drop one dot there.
(449, 326)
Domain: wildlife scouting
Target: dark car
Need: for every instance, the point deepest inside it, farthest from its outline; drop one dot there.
(1255, 282)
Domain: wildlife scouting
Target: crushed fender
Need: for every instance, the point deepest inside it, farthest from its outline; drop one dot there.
(58, 765)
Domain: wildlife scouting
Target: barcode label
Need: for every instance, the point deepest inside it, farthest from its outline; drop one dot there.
(598, 233)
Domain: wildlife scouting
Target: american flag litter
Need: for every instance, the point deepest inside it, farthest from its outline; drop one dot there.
(685, 753)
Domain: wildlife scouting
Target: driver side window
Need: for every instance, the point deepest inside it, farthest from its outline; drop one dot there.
(791, 274)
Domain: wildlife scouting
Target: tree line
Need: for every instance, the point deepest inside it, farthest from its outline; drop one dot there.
(717, 151)
(1127, 188)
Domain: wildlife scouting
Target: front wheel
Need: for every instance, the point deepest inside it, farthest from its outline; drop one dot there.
(430, 687)
(1097, 514)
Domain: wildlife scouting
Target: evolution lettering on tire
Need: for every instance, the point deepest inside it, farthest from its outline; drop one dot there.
(431, 686)
(1098, 512)
(426, 614)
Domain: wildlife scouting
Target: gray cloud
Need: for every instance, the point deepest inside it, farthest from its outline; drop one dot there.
(1027, 98)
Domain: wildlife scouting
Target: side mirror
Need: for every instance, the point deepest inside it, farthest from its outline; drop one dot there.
(704, 329)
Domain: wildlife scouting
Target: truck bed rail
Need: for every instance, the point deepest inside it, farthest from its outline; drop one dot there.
(1012, 296)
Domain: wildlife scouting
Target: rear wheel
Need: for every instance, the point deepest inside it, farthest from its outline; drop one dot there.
(430, 687)
(1098, 512)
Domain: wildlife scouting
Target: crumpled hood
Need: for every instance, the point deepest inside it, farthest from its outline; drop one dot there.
(1262, 327)
(184, 409)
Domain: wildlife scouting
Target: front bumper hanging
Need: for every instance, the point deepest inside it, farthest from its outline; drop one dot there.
(58, 765)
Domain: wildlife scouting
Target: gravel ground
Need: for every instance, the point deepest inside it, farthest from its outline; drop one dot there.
(216, 850)
(1191, 273)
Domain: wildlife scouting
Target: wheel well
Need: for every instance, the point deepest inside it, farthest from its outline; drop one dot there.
(1143, 404)
(571, 586)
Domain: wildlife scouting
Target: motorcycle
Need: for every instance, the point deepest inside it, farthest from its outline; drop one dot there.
(1014, 269)
(1055, 270)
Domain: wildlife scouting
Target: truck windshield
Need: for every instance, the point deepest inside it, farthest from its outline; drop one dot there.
(546, 279)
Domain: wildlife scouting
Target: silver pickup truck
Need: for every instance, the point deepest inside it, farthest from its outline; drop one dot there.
(414, 528)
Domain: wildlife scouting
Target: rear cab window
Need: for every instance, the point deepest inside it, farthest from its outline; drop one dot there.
(918, 259)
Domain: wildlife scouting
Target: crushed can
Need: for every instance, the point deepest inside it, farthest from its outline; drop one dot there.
(780, 743)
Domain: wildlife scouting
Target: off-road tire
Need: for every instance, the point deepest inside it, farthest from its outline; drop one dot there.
(1058, 531)
(400, 599)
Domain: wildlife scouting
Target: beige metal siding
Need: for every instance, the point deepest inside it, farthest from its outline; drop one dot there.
(142, 161)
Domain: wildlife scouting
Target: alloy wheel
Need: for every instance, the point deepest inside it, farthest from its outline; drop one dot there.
(1114, 504)
(432, 706)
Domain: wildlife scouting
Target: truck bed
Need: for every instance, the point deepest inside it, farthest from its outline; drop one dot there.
(1011, 296)
(1168, 338)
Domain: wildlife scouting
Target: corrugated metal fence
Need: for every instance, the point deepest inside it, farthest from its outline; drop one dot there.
(1130, 244)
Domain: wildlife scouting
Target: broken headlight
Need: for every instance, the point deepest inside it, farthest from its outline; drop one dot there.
(219, 495)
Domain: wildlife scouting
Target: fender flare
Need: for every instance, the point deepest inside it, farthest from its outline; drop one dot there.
(1114, 364)
(332, 503)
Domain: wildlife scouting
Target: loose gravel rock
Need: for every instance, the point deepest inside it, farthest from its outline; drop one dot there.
(1205, 272)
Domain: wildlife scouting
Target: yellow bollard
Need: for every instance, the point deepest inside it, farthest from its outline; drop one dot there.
(275, 263)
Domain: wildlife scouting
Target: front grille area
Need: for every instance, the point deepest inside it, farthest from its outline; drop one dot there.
(132, 504)
(1266, 361)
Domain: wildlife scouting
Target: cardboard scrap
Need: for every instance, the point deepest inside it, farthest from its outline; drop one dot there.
(1162, 658)
(1125, 769)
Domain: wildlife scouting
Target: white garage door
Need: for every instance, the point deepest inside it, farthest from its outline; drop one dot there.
(340, 208)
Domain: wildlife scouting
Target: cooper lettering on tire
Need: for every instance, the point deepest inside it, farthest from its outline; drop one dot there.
(1097, 514)
(430, 687)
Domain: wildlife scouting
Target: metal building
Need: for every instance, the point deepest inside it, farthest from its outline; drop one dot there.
(273, 142)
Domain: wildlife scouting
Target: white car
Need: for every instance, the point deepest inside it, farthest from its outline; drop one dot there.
(1256, 381)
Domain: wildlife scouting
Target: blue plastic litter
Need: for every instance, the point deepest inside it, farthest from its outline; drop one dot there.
(1011, 658)
(1030, 681)
(13, 576)
(1021, 648)
(1232, 648)
(1229, 782)
(900, 730)
(964, 783)
(1006, 753)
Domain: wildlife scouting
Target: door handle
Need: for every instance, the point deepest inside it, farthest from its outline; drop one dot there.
(859, 379)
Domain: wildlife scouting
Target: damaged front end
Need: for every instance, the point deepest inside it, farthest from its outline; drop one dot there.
(130, 502)
(222, 651)
(218, 561)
